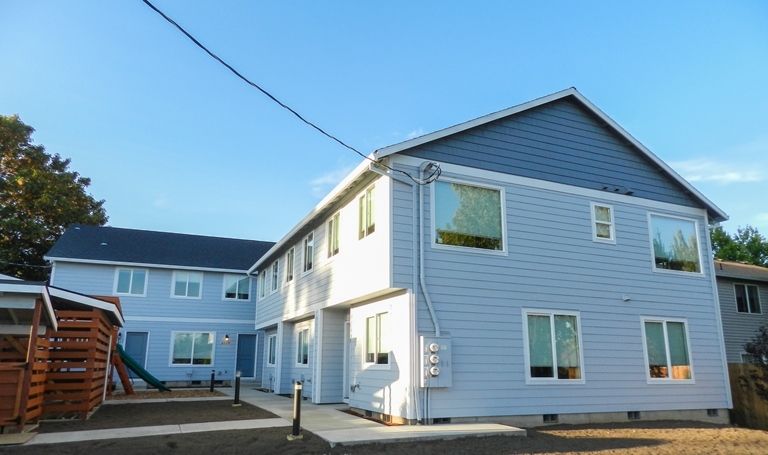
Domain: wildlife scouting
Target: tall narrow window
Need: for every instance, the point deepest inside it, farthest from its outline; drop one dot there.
(131, 282)
(187, 284)
(237, 287)
(272, 350)
(275, 276)
(367, 214)
(467, 216)
(666, 347)
(376, 346)
(302, 345)
(289, 258)
(263, 283)
(747, 298)
(553, 345)
(333, 235)
(602, 223)
(309, 251)
(675, 244)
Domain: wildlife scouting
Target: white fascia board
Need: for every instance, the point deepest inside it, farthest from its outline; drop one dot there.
(49, 308)
(85, 300)
(330, 197)
(387, 151)
(22, 288)
(144, 265)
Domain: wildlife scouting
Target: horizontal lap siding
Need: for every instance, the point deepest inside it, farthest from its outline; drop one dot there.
(739, 328)
(553, 264)
(559, 142)
(332, 368)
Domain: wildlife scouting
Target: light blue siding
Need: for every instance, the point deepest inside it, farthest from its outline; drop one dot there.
(332, 349)
(739, 328)
(291, 370)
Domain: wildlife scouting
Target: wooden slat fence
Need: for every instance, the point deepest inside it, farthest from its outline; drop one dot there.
(750, 410)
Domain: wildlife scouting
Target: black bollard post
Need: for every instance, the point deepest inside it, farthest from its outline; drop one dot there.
(237, 389)
(296, 412)
(213, 377)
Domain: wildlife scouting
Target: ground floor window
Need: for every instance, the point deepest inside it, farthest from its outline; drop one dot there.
(272, 350)
(666, 349)
(376, 346)
(302, 357)
(553, 345)
(192, 348)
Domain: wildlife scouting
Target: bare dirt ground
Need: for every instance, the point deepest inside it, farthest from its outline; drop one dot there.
(631, 438)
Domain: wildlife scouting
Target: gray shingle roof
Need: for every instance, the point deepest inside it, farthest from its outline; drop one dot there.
(729, 269)
(109, 244)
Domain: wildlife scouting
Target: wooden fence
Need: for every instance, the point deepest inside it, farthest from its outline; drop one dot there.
(17, 407)
(750, 410)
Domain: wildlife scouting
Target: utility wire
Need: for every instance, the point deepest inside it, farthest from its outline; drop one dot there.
(26, 265)
(435, 174)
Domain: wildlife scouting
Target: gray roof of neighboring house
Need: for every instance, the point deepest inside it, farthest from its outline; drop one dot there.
(730, 269)
(96, 244)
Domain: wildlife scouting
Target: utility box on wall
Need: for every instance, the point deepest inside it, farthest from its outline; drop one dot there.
(435, 361)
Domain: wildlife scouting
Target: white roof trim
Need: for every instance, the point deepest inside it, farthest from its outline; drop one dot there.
(85, 300)
(49, 308)
(386, 151)
(351, 177)
(141, 264)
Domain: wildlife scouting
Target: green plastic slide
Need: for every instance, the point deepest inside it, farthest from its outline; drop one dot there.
(140, 372)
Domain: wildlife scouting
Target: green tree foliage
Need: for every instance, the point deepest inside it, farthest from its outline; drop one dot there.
(682, 254)
(39, 198)
(746, 245)
(757, 348)
(477, 221)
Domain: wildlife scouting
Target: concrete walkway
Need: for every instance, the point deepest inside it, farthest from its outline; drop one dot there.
(326, 421)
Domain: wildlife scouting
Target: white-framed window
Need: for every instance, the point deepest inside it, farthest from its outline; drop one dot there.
(376, 339)
(131, 282)
(675, 243)
(237, 287)
(366, 213)
(468, 216)
(603, 229)
(302, 347)
(192, 348)
(309, 252)
(272, 350)
(667, 354)
(187, 285)
(275, 276)
(290, 258)
(263, 284)
(553, 352)
(332, 234)
(747, 298)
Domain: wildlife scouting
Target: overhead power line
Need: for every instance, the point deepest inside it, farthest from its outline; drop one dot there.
(432, 177)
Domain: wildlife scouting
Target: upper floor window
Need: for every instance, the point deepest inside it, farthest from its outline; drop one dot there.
(289, 263)
(263, 283)
(309, 252)
(602, 223)
(237, 287)
(747, 298)
(675, 244)
(467, 216)
(376, 348)
(553, 346)
(302, 345)
(131, 282)
(187, 284)
(367, 218)
(333, 235)
(275, 276)
(666, 350)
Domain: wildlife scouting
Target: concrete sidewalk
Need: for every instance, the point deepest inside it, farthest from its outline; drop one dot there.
(326, 421)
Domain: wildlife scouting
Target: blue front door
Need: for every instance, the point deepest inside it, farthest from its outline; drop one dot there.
(136, 348)
(246, 355)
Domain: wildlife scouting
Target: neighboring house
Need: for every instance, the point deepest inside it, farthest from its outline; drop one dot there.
(743, 292)
(556, 271)
(187, 300)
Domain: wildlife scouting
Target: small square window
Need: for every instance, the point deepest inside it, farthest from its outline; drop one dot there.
(603, 229)
(131, 282)
(747, 298)
(237, 287)
(187, 284)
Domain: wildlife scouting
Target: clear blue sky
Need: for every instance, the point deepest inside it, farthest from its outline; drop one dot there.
(173, 141)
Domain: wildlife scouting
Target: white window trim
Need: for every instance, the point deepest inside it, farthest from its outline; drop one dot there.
(368, 195)
(698, 244)
(669, 380)
(502, 202)
(128, 294)
(735, 302)
(224, 288)
(292, 269)
(330, 255)
(192, 365)
(298, 347)
(526, 347)
(595, 238)
(271, 339)
(274, 277)
(304, 253)
(366, 363)
(262, 284)
(173, 285)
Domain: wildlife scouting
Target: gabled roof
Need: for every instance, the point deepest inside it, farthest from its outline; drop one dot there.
(715, 213)
(110, 245)
(730, 269)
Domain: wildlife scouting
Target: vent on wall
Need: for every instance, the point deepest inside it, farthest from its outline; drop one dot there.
(633, 415)
(711, 412)
(550, 418)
